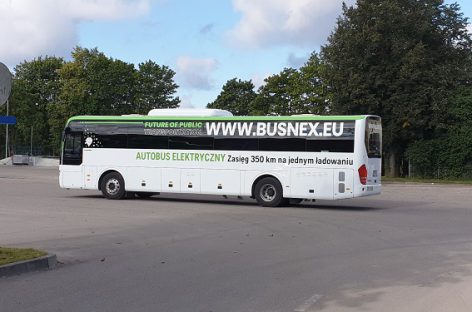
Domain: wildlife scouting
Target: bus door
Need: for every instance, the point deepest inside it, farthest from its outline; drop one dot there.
(71, 162)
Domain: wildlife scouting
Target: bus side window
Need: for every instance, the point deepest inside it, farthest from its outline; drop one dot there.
(147, 141)
(285, 144)
(333, 146)
(248, 144)
(191, 143)
(112, 140)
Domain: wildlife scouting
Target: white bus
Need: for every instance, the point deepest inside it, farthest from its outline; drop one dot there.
(273, 159)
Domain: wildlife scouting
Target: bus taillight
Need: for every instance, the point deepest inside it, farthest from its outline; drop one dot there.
(363, 174)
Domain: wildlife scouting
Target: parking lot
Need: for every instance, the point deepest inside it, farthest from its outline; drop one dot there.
(409, 249)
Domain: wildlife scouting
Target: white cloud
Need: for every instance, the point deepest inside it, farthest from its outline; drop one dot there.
(31, 28)
(258, 80)
(296, 61)
(186, 101)
(296, 22)
(195, 72)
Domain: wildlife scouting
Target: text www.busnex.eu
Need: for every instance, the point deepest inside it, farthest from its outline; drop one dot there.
(272, 129)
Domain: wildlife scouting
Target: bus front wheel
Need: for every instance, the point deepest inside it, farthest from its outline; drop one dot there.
(268, 192)
(113, 186)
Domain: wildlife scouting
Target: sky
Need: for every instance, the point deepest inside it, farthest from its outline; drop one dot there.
(206, 42)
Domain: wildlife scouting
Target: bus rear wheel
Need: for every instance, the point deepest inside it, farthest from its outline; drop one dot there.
(113, 186)
(268, 193)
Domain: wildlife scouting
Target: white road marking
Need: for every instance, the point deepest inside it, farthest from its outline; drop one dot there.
(308, 303)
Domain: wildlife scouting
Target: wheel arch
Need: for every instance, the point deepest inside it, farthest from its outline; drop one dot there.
(262, 176)
(104, 174)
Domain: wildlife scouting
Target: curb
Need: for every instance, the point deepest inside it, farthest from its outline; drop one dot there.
(41, 263)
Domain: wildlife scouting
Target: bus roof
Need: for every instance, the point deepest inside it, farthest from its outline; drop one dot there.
(219, 118)
(189, 112)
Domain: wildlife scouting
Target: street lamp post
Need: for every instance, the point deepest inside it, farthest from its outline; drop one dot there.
(6, 133)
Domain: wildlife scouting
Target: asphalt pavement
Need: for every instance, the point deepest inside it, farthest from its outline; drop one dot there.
(409, 249)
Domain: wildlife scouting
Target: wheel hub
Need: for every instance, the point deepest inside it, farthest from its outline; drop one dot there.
(112, 186)
(268, 192)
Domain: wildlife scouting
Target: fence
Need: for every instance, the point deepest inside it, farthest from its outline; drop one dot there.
(27, 150)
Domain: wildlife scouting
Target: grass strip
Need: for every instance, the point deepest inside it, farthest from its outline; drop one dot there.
(10, 255)
(421, 180)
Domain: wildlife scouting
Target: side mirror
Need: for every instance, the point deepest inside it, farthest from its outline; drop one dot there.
(67, 130)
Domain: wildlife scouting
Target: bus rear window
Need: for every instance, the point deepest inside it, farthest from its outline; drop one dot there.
(373, 137)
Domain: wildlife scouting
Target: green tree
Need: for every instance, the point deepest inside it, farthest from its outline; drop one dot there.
(236, 97)
(279, 94)
(313, 92)
(155, 87)
(458, 155)
(294, 91)
(399, 59)
(35, 88)
(454, 148)
(92, 84)
(450, 154)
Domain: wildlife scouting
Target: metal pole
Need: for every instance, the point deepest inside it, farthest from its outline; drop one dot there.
(409, 168)
(6, 135)
(31, 142)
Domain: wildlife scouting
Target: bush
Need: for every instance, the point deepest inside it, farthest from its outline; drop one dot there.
(446, 157)
(424, 158)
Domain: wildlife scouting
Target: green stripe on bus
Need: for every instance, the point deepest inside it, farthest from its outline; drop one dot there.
(138, 119)
(111, 122)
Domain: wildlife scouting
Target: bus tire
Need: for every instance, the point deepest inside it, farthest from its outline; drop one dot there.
(113, 186)
(268, 192)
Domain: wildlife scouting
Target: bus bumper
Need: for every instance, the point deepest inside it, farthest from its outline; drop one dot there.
(368, 190)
